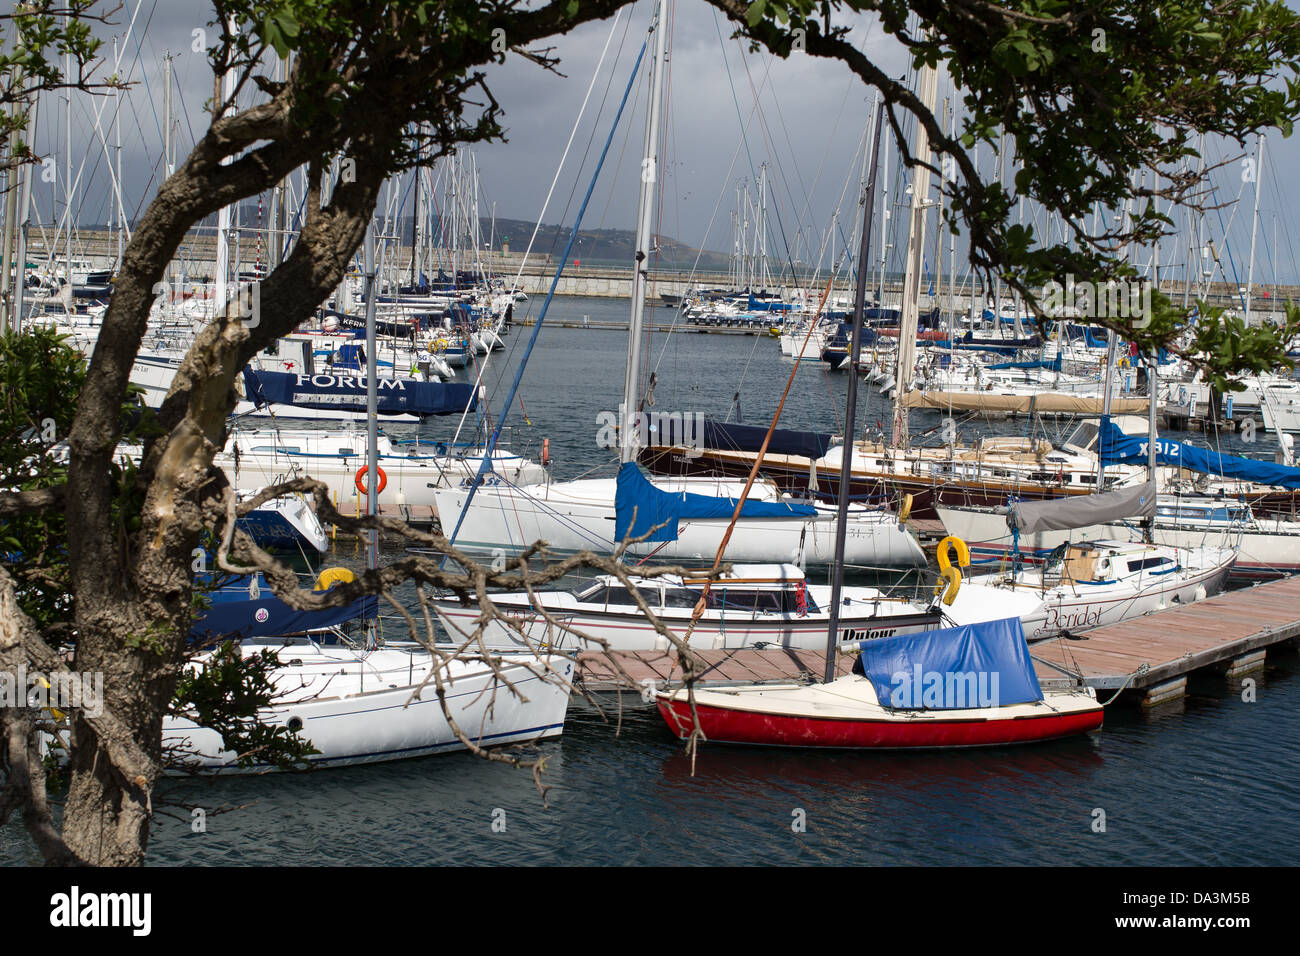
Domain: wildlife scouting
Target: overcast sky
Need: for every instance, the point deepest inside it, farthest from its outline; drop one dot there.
(808, 127)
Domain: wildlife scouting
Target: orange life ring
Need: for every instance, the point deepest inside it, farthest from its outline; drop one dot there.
(361, 480)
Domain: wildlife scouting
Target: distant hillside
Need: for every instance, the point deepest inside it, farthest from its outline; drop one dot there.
(599, 246)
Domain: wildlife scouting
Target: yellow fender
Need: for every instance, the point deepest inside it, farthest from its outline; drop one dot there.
(906, 509)
(57, 714)
(333, 575)
(947, 571)
(953, 576)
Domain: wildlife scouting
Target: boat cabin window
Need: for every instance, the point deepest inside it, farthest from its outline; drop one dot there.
(1142, 564)
(1083, 437)
(622, 596)
(1075, 563)
(616, 597)
(680, 597)
(732, 599)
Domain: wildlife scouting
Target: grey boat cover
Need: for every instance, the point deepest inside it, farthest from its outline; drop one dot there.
(1079, 511)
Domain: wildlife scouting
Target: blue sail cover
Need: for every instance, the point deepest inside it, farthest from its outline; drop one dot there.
(725, 435)
(654, 507)
(233, 616)
(396, 396)
(768, 305)
(1114, 446)
(953, 668)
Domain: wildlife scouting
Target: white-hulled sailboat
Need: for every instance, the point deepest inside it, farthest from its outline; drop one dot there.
(584, 515)
(363, 704)
(1086, 584)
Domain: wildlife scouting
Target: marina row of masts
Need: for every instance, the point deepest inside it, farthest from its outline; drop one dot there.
(18, 185)
(748, 268)
(459, 234)
(451, 234)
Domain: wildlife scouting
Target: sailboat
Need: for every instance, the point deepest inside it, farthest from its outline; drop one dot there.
(1088, 584)
(1266, 545)
(754, 605)
(364, 706)
(964, 686)
(1084, 584)
(363, 702)
(693, 514)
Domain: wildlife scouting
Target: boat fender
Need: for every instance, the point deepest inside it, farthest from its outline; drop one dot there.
(1199, 593)
(953, 576)
(905, 510)
(546, 452)
(361, 480)
(331, 576)
(947, 571)
(963, 552)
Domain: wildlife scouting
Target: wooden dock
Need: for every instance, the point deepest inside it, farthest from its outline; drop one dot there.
(1149, 658)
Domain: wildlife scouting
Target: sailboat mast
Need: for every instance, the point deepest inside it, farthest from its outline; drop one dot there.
(9, 265)
(67, 167)
(928, 88)
(850, 414)
(117, 158)
(23, 222)
(884, 230)
(1112, 343)
(225, 92)
(1149, 526)
(640, 273)
(1254, 227)
(372, 402)
(762, 227)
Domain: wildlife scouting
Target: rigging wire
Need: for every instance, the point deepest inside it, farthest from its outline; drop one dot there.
(537, 327)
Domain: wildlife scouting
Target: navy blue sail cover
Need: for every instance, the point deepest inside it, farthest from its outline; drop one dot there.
(233, 616)
(952, 668)
(396, 396)
(654, 507)
(785, 441)
(1114, 446)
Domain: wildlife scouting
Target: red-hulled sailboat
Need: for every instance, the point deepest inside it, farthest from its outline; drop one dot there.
(968, 686)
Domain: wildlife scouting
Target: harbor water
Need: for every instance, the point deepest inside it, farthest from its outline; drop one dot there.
(1209, 779)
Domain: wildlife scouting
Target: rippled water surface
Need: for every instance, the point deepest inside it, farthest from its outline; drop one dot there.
(1210, 779)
